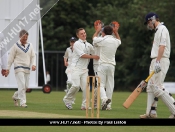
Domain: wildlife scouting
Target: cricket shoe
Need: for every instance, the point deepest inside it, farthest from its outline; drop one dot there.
(105, 104)
(108, 108)
(84, 108)
(145, 116)
(15, 101)
(68, 105)
(24, 105)
(172, 116)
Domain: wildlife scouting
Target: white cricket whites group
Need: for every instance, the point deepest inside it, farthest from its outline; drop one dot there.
(105, 42)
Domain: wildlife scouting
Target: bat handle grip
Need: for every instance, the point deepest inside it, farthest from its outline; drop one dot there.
(149, 76)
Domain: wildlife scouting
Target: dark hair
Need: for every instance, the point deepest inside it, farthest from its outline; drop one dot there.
(22, 32)
(108, 30)
(79, 30)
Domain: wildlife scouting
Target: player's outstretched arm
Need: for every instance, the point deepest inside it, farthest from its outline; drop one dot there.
(96, 57)
(99, 27)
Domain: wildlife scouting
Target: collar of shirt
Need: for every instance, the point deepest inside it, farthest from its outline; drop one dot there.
(161, 23)
(71, 48)
(19, 42)
(24, 45)
(83, 41)
(106, 36)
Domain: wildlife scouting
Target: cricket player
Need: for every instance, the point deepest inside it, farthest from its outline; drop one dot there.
(3, 56)
(22, 55)
(95, 62)
(108, 47)
(67, 62)
(96, 48)
(95, 67)
(82, 52)
(160, 54)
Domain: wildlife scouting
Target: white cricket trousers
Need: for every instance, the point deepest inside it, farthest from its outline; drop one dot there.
(156, 80)
(108, 94)
(68, 73)
(79, 79)
(23, 82)
(106, 74)
(95, 67)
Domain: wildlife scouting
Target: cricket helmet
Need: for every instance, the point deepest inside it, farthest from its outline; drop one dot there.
(150, 16)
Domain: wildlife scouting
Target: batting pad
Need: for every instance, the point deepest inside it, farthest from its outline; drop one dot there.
(166, 91)
(151, 102)
(166, 98)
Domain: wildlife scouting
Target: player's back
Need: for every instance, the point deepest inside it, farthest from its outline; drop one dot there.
(108, 49)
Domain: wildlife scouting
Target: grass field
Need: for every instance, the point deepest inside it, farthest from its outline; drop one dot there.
(42, 105)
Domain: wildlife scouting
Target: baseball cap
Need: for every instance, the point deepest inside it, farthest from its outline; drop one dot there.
(149, 17)
(73, 39)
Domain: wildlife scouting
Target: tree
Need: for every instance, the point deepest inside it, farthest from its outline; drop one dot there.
(133, 56)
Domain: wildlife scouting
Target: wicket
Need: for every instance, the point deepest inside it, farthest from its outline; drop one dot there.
(94, 79)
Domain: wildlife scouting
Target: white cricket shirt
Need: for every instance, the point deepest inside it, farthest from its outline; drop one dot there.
(161, 37)
(96, 52)
(80, 48)
(68, 55)
(108, 47)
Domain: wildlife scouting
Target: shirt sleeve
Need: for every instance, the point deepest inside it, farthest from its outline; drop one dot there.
(163, 37)
(33, 57)
(78, 50)
(66, 53)
(11, 56)
(97, 41)
(92, 52)
(119, 41)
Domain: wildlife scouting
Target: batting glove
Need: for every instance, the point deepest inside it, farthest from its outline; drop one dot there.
(157, 67)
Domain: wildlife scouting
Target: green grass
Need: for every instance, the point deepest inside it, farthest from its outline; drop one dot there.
(52, 103)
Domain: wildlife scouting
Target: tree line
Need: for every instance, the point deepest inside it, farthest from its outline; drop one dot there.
(133, 56)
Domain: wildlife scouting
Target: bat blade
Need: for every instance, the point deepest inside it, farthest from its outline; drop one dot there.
(136, 92)
(132, 97)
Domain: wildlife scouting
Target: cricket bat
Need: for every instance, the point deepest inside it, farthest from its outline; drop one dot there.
(136, 92)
